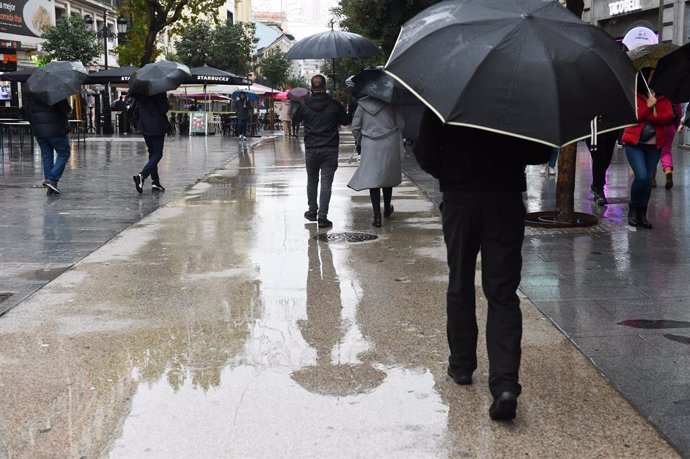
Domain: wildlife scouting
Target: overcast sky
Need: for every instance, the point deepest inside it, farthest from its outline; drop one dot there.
(305, 17)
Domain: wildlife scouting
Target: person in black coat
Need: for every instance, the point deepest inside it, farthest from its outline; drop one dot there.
(49, 124)
(153, 124)
(487, 214)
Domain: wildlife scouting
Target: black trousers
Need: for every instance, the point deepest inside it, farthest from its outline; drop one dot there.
(492, 222)
(601, 157)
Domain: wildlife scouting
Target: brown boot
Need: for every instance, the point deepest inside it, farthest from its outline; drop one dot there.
(654, 180)
(669, 180)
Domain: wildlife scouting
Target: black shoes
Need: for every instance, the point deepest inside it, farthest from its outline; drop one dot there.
(310, 215)
(389, 211)
(464, 378)
(51, 186)
(632, 217)
(377, 221)
(599, 198)
(642, 218)
(504, 407)
(138, 183)
(157, 187)
(325, 223)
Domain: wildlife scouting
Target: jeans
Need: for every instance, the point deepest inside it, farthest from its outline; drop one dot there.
(324, 161)
(52, 168)
(643, 159)
(492, 222)
(554, 157)
(154, 143)
(241, 127)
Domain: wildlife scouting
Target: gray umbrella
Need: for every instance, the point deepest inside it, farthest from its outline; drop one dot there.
(56, 81)
(374, 82)
(333, 44)
(159, 77)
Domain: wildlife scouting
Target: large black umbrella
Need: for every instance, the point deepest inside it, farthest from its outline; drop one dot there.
(19, 76)
(672, 75)
(56, 81)
(158, 77)
(211, 75)
(111, 75)
(527, 68)
(333, 44)
(374, 82)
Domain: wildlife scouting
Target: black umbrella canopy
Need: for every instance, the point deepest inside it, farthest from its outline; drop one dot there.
(111, 75)
(19, 76)
(333, 44)
(206, 74)
(374, 82)
(158, 77)
(527, 68)
(672, 75)
(56, 81)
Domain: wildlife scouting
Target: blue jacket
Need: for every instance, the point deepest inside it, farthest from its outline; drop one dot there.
(152, 112)
(48, 120)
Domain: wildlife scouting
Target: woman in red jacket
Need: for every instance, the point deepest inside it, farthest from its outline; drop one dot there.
(643, 146)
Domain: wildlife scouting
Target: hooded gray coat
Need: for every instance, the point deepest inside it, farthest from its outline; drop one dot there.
(377, 127)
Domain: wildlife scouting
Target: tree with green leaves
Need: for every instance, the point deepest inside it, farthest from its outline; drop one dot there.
(151, 17)
(193, 47)
(70, 39)
(232, 47)
(275, 68)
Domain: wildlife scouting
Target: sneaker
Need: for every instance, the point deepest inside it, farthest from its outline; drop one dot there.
(544, 170)
(50, 192)
(325, 223)
(310, 215)
(51, 186)
(138, 183)
(157, 187)
(552, 170)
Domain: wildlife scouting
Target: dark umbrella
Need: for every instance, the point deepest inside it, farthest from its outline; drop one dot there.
(158, 77)
(333, 44)
(211, 75)
(111, 75)
(526, 68)
(56, 81)
(374, 82)
(19, 76)
(298, 94)
(672, 75)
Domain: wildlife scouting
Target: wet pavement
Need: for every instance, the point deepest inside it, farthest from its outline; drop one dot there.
(214, 321)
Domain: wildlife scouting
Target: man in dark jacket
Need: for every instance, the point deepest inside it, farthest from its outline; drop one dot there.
(153, 124)
(244, 111)
(49, 124)
(321, 116)
(487, 215)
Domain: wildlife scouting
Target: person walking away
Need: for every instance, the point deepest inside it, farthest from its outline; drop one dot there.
(643, 143)
(321, 116)
(295, 125)
(153, 124)
(244, 111)
(550, 166)
(377, 128)
(50, 126)
(601, 155)
(667, 150)
(487, 216)
(285, 118)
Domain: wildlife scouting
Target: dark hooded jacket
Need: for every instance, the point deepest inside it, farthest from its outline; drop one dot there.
(152, 114)
(49, 120)
(321, 117)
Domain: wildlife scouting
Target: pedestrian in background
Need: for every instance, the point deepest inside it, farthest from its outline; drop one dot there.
(153, 124)
(50, 126)
(295, 125)
(601, 155)
(285, 117)
(377, 128)
(643, 143)
(244, 112)
(321, 116)
(667, 150)
(487, 216)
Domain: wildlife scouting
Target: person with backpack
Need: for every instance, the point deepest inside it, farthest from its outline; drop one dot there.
(152, 121)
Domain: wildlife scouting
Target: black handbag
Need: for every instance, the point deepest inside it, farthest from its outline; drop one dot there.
(647, 132)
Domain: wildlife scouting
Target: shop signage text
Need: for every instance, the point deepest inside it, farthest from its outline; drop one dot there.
(624, 6)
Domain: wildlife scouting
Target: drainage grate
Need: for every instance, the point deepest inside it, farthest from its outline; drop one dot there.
(346, 237)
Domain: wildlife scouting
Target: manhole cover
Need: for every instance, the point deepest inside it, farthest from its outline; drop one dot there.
(346, 237)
